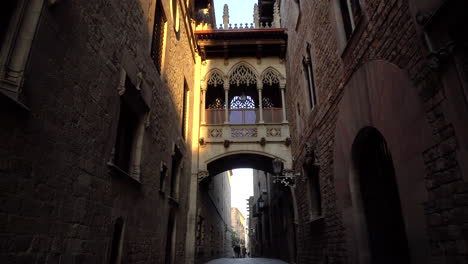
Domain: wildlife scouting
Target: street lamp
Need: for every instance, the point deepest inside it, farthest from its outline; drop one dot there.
(261, 204)
(287, 179)
(277, 166)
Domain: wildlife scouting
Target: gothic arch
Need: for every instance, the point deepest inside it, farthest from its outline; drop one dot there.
(214, 77)
(230, 153)
(380, 95)
(242, 159)
(271, 76)
(242, 73)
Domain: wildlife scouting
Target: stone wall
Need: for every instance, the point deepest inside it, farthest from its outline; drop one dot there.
(389, 32)
(59, 198)
(213, 234)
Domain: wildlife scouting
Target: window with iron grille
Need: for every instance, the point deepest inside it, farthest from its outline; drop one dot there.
(158, 36)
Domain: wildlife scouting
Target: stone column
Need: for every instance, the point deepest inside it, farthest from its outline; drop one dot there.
(203, 103)
(260, 103)
(226, 101)
(283, 88)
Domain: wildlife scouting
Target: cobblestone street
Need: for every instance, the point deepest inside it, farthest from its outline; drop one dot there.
(246, 261)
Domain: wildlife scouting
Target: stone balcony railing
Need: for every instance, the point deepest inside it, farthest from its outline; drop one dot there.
(246, 26)
(242, 133)
(275, 23)
(244, 116)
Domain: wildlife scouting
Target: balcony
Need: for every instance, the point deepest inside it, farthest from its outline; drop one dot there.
(244, 126)
(244, 116)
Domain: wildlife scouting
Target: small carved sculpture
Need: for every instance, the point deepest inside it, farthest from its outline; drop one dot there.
(139, 81)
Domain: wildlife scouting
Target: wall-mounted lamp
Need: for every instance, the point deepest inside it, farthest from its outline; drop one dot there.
(285, 177)
(261, 204)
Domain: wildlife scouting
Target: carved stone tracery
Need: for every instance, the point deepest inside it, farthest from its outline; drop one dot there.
(242, 74)
(215, 78)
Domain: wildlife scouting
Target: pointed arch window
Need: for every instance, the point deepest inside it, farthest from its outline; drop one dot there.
(242, 74)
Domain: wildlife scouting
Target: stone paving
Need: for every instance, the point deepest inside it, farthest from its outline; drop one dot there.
(246, 261)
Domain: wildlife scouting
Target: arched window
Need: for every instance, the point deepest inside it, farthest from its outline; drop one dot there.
(215, 97)
(242, 74)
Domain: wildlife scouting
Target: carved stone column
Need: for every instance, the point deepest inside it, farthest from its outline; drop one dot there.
(260, 103)
(203, 103)
(226, 101)
(283, 102)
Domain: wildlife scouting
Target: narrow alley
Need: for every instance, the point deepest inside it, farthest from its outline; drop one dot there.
(246, 261)
(234, 131)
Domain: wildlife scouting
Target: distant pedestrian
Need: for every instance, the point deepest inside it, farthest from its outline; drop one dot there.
(244, 251)
(237, 251)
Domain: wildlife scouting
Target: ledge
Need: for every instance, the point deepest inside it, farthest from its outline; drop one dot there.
(354, 39)
(173, 201)
(315, 221)
(121, 172)
(12, 104)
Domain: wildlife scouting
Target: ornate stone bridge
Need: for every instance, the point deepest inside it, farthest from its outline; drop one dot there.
(251, 129)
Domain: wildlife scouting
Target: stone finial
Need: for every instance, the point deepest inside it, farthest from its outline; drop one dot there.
(276, 16)
(256, 16)
(226, 16)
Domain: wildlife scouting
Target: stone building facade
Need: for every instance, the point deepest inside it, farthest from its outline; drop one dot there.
(213, 235)
(271, 228)
(95, 150)
(238, 225)
(378, 112)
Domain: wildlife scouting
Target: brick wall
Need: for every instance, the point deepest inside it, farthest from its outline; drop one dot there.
(59, 198)
(388, 33)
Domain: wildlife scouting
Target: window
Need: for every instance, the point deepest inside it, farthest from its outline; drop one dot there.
(309, 77)
(175, 171)
(351, 13)
(130, 130)
(159, 31)
(128, 123)
(315, 197)
(171, 230)
(162, 177)
(175, 15)
(18, 23)
(299, 8)
(298, 120)
(117, 242)
(184, 109)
